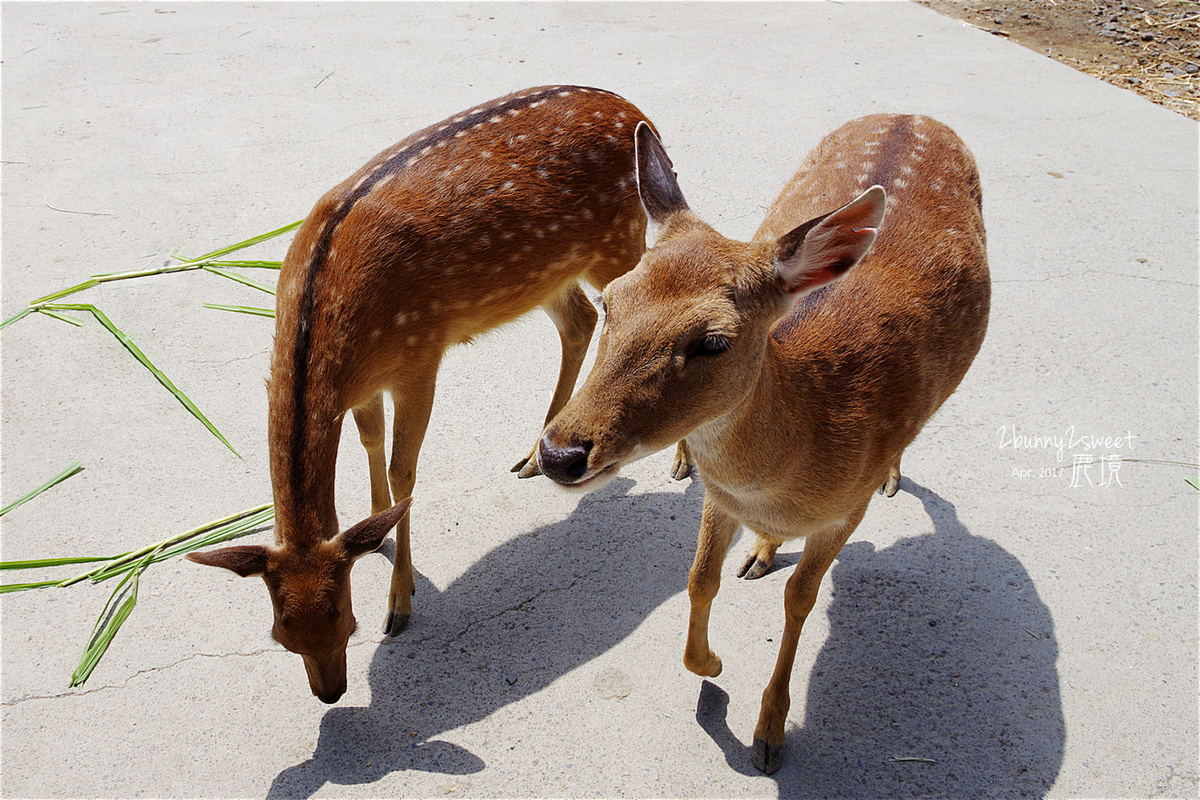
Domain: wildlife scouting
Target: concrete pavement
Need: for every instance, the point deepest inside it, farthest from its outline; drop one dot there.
(1020, 617)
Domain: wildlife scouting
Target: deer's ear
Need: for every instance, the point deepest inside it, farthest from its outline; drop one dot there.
(657, 186)
(244, 559)
(824, 249)
(366, 536)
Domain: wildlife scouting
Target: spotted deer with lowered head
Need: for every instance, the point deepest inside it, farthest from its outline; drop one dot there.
(796, 367)
(459, 228)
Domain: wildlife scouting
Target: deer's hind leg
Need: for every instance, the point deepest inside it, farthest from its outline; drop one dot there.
(892, 485)
(760, 557)
(575, 318)
(369, 418)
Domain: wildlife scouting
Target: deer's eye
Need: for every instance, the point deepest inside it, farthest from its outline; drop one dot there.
(709, 346)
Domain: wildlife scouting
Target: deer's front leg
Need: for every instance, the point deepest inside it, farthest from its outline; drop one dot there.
(413, 402)
(704, 579)
(799, 596)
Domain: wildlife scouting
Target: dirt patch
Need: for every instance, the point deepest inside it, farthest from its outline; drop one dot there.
(1150, 47)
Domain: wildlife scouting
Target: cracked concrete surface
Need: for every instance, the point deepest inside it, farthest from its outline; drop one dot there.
(544, 655)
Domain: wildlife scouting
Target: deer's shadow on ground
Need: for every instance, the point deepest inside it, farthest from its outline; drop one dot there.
(528, 612)
(938, 678)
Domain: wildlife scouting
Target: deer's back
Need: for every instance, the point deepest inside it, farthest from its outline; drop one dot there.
(882, 348)
(460, 227)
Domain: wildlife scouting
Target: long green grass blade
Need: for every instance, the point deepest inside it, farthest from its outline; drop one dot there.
(242, 279)
(20, 587)
(251, 241)
(22, 314)
(132, 565)
(258, 514)
(208, 259)
(104, 632)
(141, 357)
(57, 316)
(39, 563)
(187, 542)
(108, 277)
(1194, 482)
(247, 264)
(79, 287)
(252, 310)
(75, 467)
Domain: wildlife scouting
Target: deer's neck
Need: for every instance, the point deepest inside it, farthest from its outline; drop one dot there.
(303, 445)
(769, 425)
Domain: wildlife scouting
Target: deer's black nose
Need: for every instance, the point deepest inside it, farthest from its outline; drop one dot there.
(565, 463)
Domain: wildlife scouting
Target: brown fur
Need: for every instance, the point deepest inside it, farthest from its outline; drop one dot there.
(461, 227)
(808, 408)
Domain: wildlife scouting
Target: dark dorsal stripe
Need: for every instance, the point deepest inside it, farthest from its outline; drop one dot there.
(895, 150)
(320, 253)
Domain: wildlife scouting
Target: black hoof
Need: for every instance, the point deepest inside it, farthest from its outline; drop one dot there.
(396, 623)
(754, 569)
(767, 757)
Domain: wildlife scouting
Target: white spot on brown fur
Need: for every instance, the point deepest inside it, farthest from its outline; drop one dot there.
(401, 318)
(412, 341)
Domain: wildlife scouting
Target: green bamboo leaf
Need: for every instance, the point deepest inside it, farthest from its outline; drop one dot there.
(140, 356)
(242, 279)
(250, 242)
(132, 565)
(186, 265)
(79, 287)
(1194, 482)
(24, 312)
(162, 551)
(256, 514)
(58, 316)
(247, 264)
(105, 631)
(253, 310)
(75, 467)
(39, 563)
(20, 587)
(107, 277)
